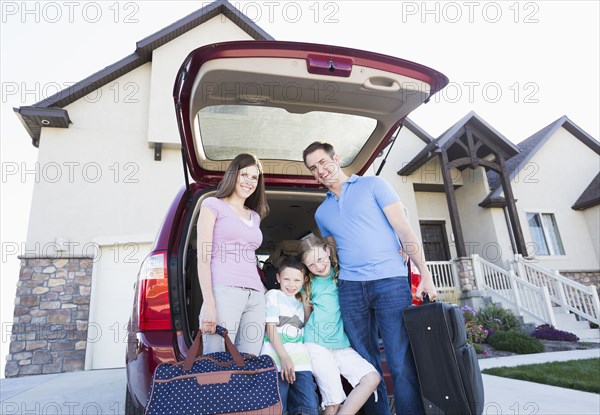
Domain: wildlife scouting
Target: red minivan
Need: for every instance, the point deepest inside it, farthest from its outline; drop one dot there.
(272, 99)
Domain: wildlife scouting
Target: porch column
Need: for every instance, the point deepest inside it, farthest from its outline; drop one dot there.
(512, 208)
(453, 210)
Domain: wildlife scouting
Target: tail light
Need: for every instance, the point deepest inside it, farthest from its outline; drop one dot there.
(153, 302)
(414, 279)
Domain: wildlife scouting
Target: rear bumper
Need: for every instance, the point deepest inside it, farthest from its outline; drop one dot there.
(145, 351)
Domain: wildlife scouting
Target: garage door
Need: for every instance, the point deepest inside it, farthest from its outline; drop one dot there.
(114, 275)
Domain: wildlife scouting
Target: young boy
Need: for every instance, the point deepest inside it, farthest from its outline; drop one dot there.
(283, 342)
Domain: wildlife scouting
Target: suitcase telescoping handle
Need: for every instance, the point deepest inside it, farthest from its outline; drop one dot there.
(196, 349)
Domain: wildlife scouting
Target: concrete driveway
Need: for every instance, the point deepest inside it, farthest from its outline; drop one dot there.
(88, 392)
(103, 391)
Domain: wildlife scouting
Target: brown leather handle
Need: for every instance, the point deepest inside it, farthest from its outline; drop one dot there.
(197, 349)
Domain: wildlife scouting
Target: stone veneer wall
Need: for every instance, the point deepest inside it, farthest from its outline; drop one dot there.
(466, 274)
(470, 292)
(51, 314)
(584, 277)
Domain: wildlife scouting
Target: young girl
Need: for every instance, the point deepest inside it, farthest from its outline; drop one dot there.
(228, 235)
(285, 320)
(325, 339)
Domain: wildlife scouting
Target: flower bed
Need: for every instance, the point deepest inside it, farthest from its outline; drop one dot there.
(483, 323)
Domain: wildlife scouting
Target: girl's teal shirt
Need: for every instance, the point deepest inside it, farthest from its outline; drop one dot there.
(325, 326)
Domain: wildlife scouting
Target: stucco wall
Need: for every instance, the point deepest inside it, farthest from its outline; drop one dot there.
(110, 184)
(551, 182)
(592, 218)
(162, 125)
(484, 230)
(433, 205)
(406, 147)
(100, 195)
(419, 205)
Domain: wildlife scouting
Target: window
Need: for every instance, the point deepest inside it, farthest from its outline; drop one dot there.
(545, 234)
(274, 133)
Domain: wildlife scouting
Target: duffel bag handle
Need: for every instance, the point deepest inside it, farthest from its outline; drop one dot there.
(197, 349)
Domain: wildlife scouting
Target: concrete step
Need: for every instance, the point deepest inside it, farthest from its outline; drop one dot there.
(564, 318)
(572, 327)
(588, 335)
(568, 322)
(560, 310)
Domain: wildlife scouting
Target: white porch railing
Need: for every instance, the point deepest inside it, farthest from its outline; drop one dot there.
(528, 300)
(573, 296)
(445, 275)
(533, 302)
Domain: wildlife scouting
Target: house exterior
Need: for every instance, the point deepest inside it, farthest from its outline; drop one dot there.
(557, 167)
(557, 208)
(114, 200)
(517, 224)
(74, 292)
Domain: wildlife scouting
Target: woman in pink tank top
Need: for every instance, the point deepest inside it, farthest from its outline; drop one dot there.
(228, 236)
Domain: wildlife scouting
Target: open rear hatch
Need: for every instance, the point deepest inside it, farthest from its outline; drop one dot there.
(274, 98)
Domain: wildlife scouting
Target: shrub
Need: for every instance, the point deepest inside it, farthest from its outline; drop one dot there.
(513, 341)
(452, 297)
(495, 318)
(469, 313)
(478, 348)
(528, 328)
(549, 332)
(476, 333)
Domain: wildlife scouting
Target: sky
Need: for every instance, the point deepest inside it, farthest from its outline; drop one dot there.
(520, 65)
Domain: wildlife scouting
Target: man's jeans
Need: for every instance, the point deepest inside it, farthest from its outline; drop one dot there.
(376, 306)
(299, 397)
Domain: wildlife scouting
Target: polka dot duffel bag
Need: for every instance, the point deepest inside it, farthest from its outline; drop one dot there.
(227, 382)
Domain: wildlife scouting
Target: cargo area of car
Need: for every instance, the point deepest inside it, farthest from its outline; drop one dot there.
(291, 217)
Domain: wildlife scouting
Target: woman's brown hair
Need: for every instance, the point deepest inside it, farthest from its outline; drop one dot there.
(257, 201)
(306, 246)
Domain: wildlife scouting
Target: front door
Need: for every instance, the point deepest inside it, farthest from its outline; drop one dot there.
(435, 242)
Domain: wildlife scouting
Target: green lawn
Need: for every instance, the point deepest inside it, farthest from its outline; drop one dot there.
(583, 375)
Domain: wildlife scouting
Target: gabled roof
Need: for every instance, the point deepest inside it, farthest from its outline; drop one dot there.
(532, 144)
(454, 133)
(590, 196)
(48, 112)
(418, 131)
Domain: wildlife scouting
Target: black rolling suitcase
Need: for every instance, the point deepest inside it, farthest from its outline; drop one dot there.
(447, 366)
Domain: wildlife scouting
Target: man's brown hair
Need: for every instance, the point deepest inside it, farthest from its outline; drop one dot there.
(318, 145)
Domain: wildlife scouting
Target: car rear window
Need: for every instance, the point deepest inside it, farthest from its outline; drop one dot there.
(276, 134)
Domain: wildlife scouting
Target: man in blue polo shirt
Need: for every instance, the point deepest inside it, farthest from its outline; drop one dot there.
(364, 217)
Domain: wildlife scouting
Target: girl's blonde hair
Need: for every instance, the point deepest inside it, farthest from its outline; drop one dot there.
(306, 247)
